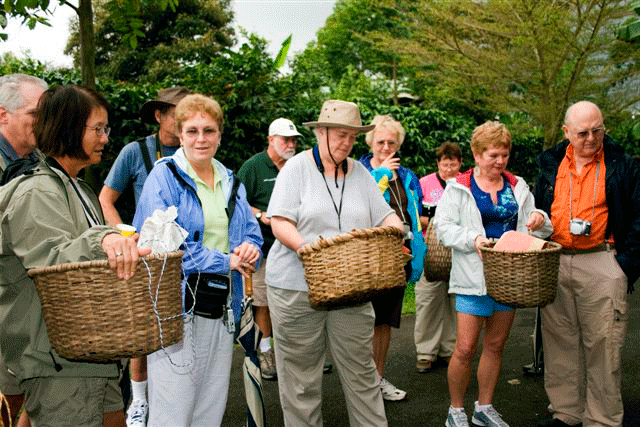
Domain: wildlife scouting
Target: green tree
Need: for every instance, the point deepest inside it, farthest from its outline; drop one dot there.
(351, 36)
(148, 42)
(535, 57)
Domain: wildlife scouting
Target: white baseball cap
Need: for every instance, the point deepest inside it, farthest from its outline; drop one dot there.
(283, 127)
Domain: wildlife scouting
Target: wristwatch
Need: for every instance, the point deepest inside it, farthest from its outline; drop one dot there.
(259, 215)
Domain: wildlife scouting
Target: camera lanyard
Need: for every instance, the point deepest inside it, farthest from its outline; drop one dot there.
(595, 187)
(345, 168)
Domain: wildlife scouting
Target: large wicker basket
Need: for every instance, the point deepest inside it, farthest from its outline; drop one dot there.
(437, 262)
(522, 279)
(353, 267)
(91, 315)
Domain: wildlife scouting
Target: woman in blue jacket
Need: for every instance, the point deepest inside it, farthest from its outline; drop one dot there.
(401, 189)
(188, 382)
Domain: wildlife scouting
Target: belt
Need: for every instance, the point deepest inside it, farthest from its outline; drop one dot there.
(603, 247)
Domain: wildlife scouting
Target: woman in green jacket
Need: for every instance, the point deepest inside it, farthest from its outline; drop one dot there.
(50, 216)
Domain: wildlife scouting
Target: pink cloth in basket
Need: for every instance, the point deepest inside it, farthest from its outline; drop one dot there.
(515, 241)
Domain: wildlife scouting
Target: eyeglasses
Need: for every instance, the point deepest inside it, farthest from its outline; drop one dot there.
(99, 130)
(596, 132)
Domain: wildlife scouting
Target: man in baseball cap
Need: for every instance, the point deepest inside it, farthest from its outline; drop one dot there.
(132, 166)
(258, 174)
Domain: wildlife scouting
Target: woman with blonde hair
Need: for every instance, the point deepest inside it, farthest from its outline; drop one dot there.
(481, 204)
(189, 381)
(401, 190)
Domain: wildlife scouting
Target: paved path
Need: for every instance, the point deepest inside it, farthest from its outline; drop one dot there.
(520, 399)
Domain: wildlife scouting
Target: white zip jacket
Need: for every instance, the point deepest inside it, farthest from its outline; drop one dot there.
(458, 223)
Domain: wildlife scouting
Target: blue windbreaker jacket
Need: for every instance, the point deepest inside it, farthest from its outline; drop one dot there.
(169, 184)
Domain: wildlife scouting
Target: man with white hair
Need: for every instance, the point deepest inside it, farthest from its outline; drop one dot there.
(19, 95)
(590, 189)
(258, 174)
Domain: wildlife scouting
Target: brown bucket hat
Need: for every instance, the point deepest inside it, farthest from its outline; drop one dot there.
(339, 114)
(166, 97)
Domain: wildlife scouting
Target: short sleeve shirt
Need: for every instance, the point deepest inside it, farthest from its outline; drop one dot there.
(129, 166)
(258, 174)
(300, 195)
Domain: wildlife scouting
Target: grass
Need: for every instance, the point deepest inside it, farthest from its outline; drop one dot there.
(409, 301)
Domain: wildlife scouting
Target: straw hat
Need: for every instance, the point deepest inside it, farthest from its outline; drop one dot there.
(339, 114)
(166, 97)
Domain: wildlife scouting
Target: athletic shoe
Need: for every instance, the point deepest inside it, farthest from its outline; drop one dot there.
(327, 368)
(488, 417)
(137, 413)
(391, 392)
(456, 418)
(423, 366)
(268, 365)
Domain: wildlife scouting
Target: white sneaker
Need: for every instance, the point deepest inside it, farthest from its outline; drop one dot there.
(391, 392)
(137, 413)
(488, 417)
(456, 418)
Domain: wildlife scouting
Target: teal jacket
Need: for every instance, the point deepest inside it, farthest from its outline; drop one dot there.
(414, 207)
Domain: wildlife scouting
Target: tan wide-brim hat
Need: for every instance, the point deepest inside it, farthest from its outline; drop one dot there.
(166, 97)
(339, 114)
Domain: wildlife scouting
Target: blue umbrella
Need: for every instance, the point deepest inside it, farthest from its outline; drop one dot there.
(249, 338)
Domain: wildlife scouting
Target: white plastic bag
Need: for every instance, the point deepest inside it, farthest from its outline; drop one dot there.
(161, 233)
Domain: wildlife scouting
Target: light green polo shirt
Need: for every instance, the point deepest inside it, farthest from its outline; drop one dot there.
(214, 203)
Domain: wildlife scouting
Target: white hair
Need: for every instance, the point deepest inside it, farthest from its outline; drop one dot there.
(11, 94)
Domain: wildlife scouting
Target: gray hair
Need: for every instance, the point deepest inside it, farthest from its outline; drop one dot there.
(11, 96)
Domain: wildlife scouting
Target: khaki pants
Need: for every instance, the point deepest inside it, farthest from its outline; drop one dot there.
(302, 337)
(435, 328)
(583, 334)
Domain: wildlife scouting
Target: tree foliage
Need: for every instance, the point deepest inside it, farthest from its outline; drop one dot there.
(144, 41)
(535, 57)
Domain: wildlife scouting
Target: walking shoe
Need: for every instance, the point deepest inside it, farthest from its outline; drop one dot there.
(391, 392)
(268, 365)
(488, 417)
(423, 366)
(137, 413)
(457, 418)
(327, 368)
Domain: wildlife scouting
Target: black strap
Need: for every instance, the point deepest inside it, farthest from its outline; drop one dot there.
(232, 198)
(345, 166)
(145, 154)
(442, 181)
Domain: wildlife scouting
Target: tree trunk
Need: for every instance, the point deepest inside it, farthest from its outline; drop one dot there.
(87, 50)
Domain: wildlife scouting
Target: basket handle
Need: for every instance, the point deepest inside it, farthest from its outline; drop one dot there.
(248, 286)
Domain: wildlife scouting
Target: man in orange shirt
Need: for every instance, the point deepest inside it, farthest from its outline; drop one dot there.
(591, 191)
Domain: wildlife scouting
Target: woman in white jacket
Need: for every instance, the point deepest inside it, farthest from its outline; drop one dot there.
(480, 204)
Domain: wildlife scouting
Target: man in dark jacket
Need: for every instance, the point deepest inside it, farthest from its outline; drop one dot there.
(591, 191)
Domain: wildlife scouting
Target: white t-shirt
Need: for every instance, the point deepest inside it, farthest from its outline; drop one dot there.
(300, 195)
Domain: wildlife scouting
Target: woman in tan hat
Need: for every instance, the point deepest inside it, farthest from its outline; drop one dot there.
(322, 191)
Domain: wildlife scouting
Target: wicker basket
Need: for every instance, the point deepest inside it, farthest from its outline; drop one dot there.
(352, 268)
(522, 279)
(437, 261)
(91, 315)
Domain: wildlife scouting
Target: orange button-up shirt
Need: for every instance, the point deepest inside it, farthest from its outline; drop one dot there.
(581, 187)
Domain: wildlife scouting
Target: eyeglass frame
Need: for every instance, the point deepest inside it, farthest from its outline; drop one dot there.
(100, 130)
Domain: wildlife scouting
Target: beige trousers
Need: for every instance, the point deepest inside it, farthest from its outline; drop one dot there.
(583, 334)
(302, 337)
(435, 328)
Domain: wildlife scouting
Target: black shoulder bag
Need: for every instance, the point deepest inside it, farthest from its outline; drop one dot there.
(211, 290)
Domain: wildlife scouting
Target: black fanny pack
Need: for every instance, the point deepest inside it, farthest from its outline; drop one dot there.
(211, 292)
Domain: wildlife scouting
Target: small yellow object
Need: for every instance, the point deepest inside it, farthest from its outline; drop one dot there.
(383, 184)
(126, 230)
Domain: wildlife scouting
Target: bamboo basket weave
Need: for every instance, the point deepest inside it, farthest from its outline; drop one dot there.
(352, 268)
(437, 265)
(522, 279)
(92, 315)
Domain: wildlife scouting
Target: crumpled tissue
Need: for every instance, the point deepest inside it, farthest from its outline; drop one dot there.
(161, 233)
